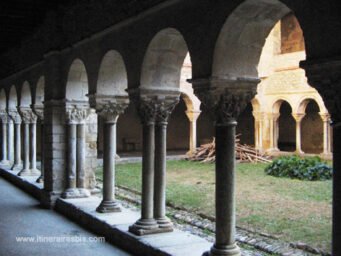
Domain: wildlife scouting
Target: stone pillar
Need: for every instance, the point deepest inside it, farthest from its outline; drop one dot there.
(325, 77)
(163, 112)
(29, 119)
(326, 134)
(4, 121)
(76, 153)
(39, 111)
(298, 117)
(33, 151)
(10, 141)
(147, 224)
(273, 119)
(17, 139)
(192, 117)
(258, 130)
(225, 99)
(109, 112)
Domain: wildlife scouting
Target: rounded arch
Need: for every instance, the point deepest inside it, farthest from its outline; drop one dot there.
(13, 98)
(3, 98)
(303, 103)
(26, 96)
(112, 76)
(163, 61)
(77, 82)
(277, 104)
(240, 43)
(255, 104)
(39, 96)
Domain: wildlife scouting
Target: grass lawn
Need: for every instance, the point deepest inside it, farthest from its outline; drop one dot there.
(289, 209)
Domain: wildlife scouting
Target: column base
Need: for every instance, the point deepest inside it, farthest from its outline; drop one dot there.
(16, 167)
(108, 206)
(40, 179)
(326, 156)
(75, 193)
(25, 172)
(229, 250)
(48, 199)
(165, 224)
(145, 227)
(299, 152)
(5, 162)
(35, 172)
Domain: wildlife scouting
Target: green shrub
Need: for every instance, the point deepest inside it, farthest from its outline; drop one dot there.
(310, 168)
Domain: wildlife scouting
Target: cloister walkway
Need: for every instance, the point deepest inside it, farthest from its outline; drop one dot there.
(21, 216)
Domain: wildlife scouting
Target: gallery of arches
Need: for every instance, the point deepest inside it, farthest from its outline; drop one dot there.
(170, 127)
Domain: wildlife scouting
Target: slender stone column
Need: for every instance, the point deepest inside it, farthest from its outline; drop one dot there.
(14, 114)
(26, 163)
(163, 113)
(10, 141)
(71, 190)
(226, 99)
(298, 117)
(109, 112)
(4, 120)
(28, 118)
(193, 117)
(81, 160)
(76, 153)
(39, 111)
(326, 134)
(33, 151)
(147, 223)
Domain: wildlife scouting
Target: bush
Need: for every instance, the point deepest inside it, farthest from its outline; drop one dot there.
(310, 168)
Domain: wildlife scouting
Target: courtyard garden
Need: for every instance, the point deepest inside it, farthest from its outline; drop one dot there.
(289, 209)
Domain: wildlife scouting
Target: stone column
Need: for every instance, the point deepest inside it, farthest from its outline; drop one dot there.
(28, 118)
(326, 134)
(10, 141)
(109, 112)
(33, 145)
(4, 121)
(325, 77)
(225, 99)
(298, 117)
(163, 112)
(192, 117)
(39, 111)
(147, 224)
(76, 153)
(17, 139)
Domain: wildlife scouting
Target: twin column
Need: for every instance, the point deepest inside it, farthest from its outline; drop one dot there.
(154, 114)
(75, 118)
(30, 142)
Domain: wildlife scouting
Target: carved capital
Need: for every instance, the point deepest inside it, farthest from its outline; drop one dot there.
(3, 116)
(39, 111)
(226, 99)
(27, 115)
(109, 107)
(325, 117)
(75, 115)
(14, 114)
(298, 117)
(156, 109)
(325, 77)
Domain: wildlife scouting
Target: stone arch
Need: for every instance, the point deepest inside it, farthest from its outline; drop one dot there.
(112, 77)
(13, 98)
(39, 95)
(3, 100)
(286, 126)
(26, 96)
(311, 127)
(303, 103)
(77, 82)
(242, 37)
(163, 61)
(276, 106)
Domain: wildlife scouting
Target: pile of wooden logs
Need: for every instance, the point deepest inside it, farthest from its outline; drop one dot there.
(244, 153)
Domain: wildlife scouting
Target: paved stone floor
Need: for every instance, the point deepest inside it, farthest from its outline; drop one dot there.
(21, 216)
